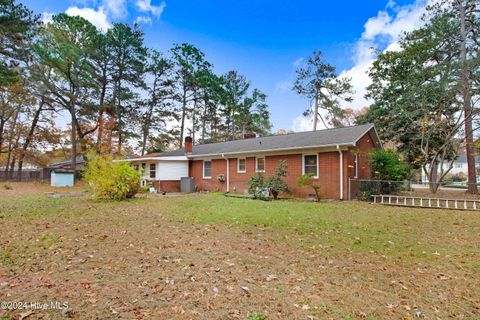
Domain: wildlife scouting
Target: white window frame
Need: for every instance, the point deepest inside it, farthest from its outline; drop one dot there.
(303, 163)
(203, 169)
(238, 165)
(264, 164)
(150, 170)
(356, 159)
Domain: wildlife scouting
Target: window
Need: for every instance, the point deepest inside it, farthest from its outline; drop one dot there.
(260, 164)
(152, 170)
(144, 166)
(207, 169)
(310, 164)
(241, 165)
(355, 166)
(136, 167)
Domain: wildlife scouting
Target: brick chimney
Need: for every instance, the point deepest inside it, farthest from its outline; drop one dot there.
(249, 135)
(188, 144)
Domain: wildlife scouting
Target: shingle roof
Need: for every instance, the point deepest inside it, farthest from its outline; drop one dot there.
(299, 140)
(319, 138)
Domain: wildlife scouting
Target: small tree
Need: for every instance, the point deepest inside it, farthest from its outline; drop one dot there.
(258, 184)
(275, 183)
(306, 180)
(386, 165)
(111, 180)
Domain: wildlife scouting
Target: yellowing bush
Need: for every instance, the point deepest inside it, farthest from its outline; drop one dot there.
(111, 180)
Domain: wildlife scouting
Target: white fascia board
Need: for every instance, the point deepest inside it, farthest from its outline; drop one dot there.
(254, 152)
(178, 158)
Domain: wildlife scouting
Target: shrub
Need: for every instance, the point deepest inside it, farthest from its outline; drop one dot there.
(275, 183)
(306, 180)
(112, 180)
(386, 165)
(258, 184)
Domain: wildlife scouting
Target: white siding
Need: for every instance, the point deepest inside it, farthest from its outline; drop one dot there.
(172, 170)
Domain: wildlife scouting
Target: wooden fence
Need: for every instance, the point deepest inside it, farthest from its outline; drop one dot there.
(424, 202)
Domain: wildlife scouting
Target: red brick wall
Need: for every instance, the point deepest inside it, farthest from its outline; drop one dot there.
(219, 166)
(167, 185)
(328, 166)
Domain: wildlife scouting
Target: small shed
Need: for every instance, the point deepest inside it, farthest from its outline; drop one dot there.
(62, 177)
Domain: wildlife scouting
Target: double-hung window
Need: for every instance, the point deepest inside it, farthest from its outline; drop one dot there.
(153, 170)
(242, 165)
(260, 164)
(355, 166)
(310, 164)
(207, 169)
(144, 167)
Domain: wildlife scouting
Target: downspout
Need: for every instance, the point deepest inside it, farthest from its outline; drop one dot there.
(228, 173)
(341, 171)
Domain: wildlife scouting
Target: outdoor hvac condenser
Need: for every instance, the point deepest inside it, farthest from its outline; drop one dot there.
(187, 184)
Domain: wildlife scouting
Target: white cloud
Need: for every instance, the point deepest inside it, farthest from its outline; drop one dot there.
(297, 62)
(97, 17)
(302, 123)
(146, 6)
(143, 19)
(283, 86)
(380, 32)
(47, 17)
(116, 8)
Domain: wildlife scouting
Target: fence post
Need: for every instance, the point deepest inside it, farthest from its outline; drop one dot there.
(349, 192)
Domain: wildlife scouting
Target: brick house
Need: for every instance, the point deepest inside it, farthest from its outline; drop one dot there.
(333, 155)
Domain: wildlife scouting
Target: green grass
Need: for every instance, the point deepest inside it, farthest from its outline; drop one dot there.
(331, 227)
(342, 227)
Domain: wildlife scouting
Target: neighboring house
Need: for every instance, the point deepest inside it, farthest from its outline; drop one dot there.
(333, 155)
(67, 164)
(460, 167)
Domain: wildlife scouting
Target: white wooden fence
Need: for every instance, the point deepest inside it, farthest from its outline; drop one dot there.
(423, 202)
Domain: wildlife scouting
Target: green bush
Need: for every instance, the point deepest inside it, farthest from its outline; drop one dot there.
(275, 183)
(306, 180)
(386, 165)
(259, 185)
(111, 180)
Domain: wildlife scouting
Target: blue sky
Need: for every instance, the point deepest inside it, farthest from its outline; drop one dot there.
(264, 40)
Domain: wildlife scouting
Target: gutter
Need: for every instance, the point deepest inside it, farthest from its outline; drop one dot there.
(190, 156)
(341, 171)
(228, 172)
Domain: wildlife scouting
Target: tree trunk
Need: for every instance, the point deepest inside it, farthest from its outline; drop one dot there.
(467, 103)
(10, 142)
(184, 111)
(73, 136)
(433, 183)
(101, 123)
(315, 114)
(194, 113)
(29, 138)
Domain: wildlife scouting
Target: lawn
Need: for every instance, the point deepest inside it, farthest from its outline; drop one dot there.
(206, 256)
